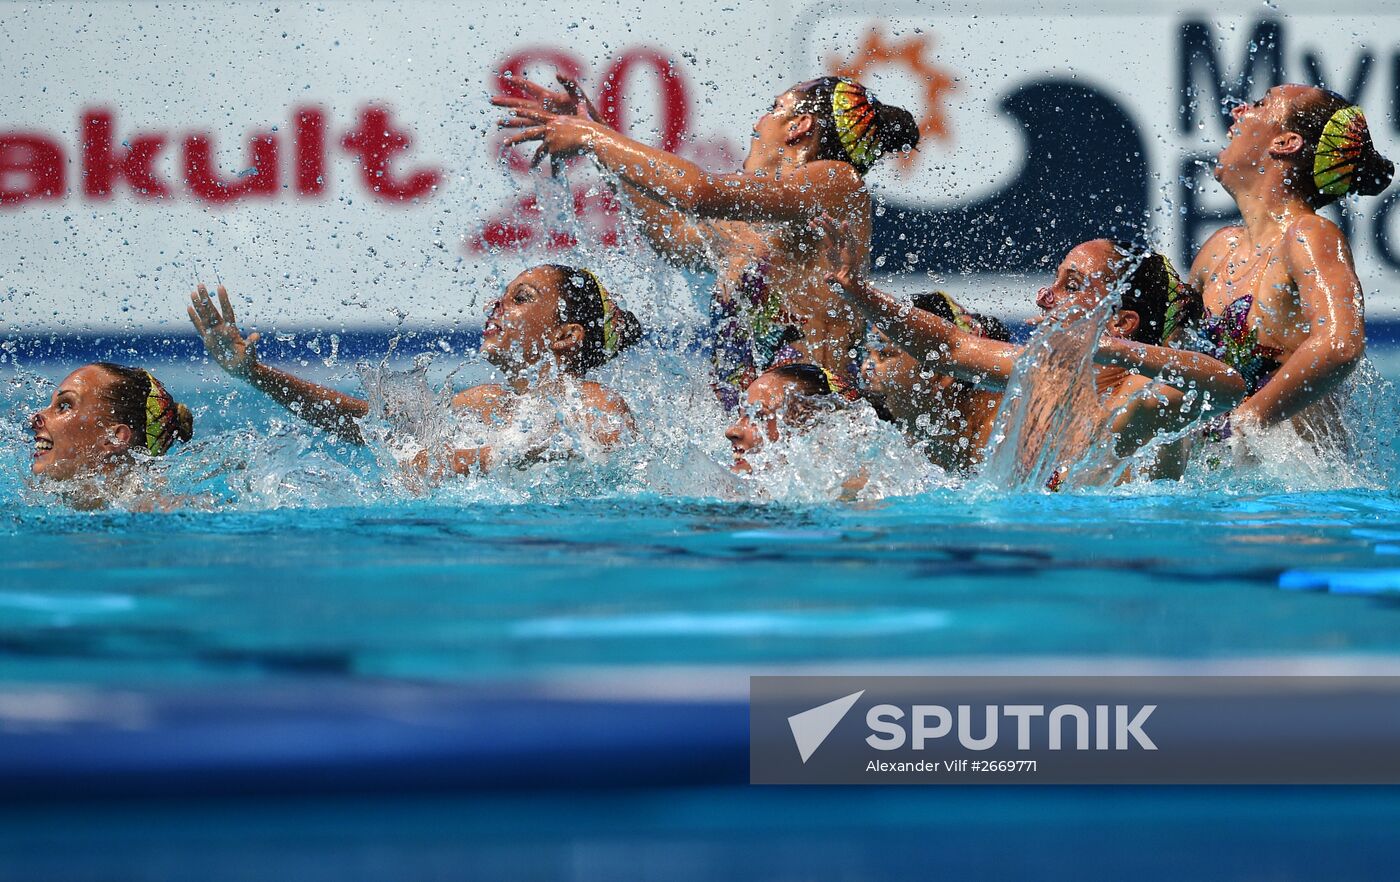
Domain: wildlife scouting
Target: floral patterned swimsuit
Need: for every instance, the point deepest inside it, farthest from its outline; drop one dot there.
(1229, 338)
(751, 333)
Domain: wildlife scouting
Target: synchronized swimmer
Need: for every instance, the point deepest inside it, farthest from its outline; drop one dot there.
(1266, 325)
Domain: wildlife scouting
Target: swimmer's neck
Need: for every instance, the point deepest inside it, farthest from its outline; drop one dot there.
(542, 376)
(94, 490)
(1268, 210)
(773, 164)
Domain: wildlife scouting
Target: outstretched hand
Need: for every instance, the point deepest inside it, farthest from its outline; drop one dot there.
(219, 330)
(565, 123)
(845, 270)
(570, 102)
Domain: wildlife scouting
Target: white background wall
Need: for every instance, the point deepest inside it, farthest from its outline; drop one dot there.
(348, 260)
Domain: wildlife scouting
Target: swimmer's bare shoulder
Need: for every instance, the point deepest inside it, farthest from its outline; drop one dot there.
(838, 184)
(1216, 248)
(1319, 263)
(486, 401)
(1137, 415)
(604, 400)
(613, 407)
(843, 173)
(1311, 235)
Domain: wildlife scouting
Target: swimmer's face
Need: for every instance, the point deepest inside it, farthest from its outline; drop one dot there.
(77, 433)
(770, 404)
(780, 127)
(524, 324)
(890, 370)
(1084, 278)
(1252, 140)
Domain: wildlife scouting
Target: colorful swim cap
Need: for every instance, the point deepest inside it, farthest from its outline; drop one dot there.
(846, 389)
(942, 304)
(161, 415)
(609, 315)
(854, 115)
(1339, 151)
(1154, 290)
(854, 127)
(1172, 321)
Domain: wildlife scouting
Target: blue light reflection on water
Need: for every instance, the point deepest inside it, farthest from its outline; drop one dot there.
(400, 589)
(466, 592)
(431, 589)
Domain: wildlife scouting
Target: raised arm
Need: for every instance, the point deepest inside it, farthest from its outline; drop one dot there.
(320, 406)
(833, 187)
(1320, 264)
(934, 341)
(669, 232)
(1218, 386)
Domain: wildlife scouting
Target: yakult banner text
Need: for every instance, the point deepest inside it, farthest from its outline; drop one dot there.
(341, 161)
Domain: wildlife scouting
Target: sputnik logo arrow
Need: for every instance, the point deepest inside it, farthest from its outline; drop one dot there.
(810, 728)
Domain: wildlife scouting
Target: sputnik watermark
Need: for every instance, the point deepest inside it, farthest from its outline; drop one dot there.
(888, 733)
(821, 730)
(1111, 725)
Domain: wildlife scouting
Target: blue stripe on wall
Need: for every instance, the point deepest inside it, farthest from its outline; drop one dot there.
(373, 343)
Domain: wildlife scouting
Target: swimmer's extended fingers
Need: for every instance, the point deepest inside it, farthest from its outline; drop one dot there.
(222, 339)
(532, 95)
(214, 343)
(528, 116)
(524, 136)
(510, 102)
(226, 307)
(209, 316)
(825, 224)
(541, 94)
(194, 320)
(519, 122)
(837, 239)
(580, 97)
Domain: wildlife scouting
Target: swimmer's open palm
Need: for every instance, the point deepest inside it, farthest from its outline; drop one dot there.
(839, 253)
(559, 136)
(218, 329)
(532, 96)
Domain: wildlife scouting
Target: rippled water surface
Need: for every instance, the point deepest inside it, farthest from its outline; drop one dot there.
(431, 591)
(451, 588)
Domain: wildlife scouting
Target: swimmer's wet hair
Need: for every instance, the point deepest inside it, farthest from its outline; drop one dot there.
(810, 379)
(852, 125)
(140, 401)
(607, 328)
(1338, 156)
(1164, 303)
(945, 307)
(992, 327)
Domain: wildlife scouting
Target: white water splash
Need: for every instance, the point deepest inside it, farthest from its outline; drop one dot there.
(1051, 417)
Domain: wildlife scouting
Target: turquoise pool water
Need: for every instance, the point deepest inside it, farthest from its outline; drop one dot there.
(293, 579)
(305, 684)
(427, 591)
